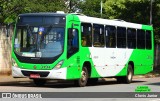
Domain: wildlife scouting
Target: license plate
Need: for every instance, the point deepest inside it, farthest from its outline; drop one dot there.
(34, 76)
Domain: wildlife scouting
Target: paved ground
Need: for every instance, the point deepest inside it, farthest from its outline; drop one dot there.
(9, 84)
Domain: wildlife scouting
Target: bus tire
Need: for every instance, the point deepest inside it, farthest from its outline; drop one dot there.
(39, 82)
(129, 76)
(83, 79)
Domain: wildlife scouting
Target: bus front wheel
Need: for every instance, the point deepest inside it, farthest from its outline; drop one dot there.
(83, 79)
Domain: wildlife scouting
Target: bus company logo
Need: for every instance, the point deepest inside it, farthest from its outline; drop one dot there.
(35, 67)
(6, 95)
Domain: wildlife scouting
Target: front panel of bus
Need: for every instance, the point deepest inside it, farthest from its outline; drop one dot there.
(38, 46)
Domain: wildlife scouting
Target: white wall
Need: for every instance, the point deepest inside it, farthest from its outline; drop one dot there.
(5, 51)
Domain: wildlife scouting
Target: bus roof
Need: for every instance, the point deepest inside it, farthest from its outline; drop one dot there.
(42, 14)
(88, 19)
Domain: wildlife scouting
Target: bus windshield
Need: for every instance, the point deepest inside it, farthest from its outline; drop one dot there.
(39, 41)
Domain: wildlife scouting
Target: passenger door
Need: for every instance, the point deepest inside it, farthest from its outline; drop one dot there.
(73, 57)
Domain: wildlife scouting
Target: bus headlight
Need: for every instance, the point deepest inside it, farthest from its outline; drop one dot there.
(14, 63)
(58, 66)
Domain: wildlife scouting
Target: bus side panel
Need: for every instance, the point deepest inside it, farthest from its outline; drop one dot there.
(128, 53)
(142, 60)
(76, 62)
(110, 62)
(86, 57)
(142, 63)
(123, 72)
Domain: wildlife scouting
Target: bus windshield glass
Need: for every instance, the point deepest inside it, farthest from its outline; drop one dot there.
(39, 41)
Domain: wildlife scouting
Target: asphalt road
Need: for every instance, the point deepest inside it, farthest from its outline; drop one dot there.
(9, 84)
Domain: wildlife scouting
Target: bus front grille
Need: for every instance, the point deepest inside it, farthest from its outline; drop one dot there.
(42, 74)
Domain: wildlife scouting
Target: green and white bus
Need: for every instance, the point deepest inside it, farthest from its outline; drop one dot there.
(54, 46)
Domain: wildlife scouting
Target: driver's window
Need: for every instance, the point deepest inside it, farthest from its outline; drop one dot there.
(73, 43)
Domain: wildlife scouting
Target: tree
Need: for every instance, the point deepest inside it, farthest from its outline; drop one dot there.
(11, 8)
(72, 5)
(136, 11)
(91, 8)
(156, 19)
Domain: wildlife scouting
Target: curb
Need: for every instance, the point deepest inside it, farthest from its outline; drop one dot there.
(147, 76)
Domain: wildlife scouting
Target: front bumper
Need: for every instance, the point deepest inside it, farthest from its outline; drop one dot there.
(52, 74)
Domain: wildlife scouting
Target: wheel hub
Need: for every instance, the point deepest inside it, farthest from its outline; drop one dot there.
(83, 76)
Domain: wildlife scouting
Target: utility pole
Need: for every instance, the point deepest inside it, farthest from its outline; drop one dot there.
(151, 13)
(70, 6)
(101, 8)
(157, 45)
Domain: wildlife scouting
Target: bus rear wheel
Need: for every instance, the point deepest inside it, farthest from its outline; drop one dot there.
(39, 82)
(128, 78)
(83, 79)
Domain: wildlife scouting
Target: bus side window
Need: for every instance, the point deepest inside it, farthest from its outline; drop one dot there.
(140, 39)
(148, 40)
(98, 35)
(121, 37)
(131, 38)
(73, 43)
(110, 34)
(86, 36)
